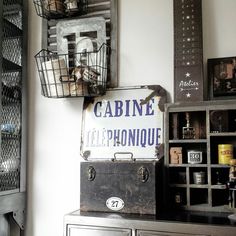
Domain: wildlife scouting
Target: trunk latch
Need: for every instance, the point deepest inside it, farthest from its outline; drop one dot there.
(143, 174)
(91, 173)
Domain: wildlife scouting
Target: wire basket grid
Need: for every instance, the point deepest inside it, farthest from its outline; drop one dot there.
(56, 9)
(73, 74)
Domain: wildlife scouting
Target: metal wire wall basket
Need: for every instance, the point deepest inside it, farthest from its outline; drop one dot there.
(74, 74)
(56, 9)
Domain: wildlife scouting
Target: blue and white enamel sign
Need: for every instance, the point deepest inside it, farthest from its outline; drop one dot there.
(124, 121)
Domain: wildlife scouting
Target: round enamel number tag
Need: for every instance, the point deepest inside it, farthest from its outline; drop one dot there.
(115, 203)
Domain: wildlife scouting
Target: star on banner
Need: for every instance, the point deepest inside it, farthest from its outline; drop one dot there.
(188, 95)
(187, 74)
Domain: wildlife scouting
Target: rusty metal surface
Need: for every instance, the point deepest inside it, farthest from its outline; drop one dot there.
(137, 184)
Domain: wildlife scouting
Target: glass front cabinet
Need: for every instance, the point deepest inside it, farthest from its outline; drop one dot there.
(13, 115)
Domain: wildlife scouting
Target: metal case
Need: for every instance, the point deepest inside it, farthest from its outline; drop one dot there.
(126, 187)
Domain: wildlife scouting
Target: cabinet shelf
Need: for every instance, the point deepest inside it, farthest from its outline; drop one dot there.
(17, 190)
(225, 134)
(198, 185)
(188, 141)
(219, 186)
(11, 136)
(219, 166)
(13, 7)
(198, 207)
(178, 185)
(187, 165)
(195, 186)
(11, 30)
(9, 66)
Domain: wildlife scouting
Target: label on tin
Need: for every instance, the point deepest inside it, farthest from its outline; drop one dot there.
(194, 157)
(225, 153)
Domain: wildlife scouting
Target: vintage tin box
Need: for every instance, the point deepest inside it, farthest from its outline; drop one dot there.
(122, 145)
(127, 187)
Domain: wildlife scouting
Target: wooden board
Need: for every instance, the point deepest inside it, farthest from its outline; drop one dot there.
(188, 51)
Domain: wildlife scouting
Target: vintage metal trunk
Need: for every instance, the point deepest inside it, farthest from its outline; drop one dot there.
(122, 145)
(121, 186)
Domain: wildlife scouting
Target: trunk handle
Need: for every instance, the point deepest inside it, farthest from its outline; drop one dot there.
(123, 153)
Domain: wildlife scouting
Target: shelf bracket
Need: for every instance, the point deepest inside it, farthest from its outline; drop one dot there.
(19, 217)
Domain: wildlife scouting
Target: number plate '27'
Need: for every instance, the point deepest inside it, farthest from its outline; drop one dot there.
(115, 203)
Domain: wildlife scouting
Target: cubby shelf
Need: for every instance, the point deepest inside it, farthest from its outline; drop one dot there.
(183, 191)
(187, 165)
(188, 141)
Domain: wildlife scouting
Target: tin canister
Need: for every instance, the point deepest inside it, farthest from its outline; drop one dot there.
(194, 157)
(225, 153)
(199, 177)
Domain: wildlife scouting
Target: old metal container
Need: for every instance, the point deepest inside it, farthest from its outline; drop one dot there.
(121, 186)
(225, 153)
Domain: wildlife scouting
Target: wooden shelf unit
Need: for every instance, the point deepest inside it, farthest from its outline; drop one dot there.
(181, 191)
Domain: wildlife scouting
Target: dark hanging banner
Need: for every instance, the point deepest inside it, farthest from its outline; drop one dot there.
(188, 51)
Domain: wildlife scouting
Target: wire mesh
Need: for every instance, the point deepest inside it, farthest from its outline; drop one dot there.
(10, 30)
(12, 12)
(11, 120)
(55, 9)
(12, 50)
(12, 3)
(10, 94)
(11, 45)
(11, 79)
(9, 180)
(73, 74)
(10, 147)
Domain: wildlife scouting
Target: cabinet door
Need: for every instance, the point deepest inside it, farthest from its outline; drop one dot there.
(155, 233)
(74, 230)
(13, 44)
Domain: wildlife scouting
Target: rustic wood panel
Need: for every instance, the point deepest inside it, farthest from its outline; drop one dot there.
(96, 8)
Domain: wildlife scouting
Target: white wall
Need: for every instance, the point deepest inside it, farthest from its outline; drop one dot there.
(145, 57)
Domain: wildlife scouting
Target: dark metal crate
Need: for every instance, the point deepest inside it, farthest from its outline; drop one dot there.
(121, 186)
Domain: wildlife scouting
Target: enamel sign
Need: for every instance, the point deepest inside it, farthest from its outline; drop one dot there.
(124, 123)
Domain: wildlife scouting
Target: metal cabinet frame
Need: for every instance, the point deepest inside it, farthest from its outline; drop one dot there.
(140, 225)
(13, 202)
